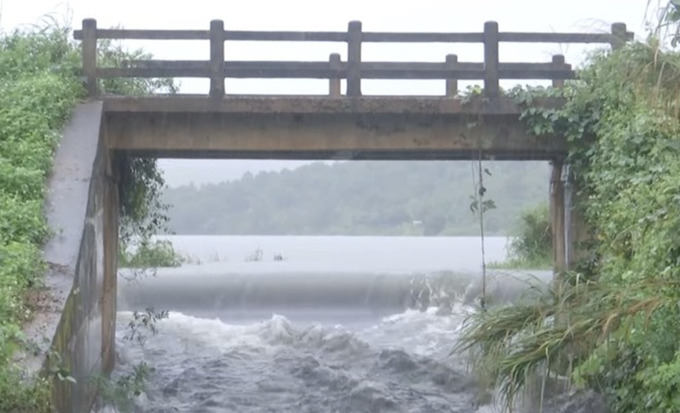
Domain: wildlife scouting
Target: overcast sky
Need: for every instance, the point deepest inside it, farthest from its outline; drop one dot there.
(330, 15)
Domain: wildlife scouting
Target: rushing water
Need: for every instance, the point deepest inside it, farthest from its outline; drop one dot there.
(341, 324)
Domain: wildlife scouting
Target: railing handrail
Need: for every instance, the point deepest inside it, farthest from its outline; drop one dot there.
(322, 70)
(353, 69)
(367, 37)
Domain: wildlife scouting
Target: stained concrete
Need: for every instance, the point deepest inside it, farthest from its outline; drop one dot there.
(321, 127)
(272, 104)
(75, 319)
(366, 135)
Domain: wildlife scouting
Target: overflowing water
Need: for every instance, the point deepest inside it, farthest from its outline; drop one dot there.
(339, 324)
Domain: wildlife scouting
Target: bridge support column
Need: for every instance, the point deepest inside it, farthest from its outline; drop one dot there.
(569, 229)
(577, 233)
(110, 283)
(558, 217)
(569, 232)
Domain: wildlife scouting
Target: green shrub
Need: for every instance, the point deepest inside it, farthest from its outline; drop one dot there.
(22, 221)
(37, 92)
(619, 332)
(531, 245)
(533, 238)
(149, 254)
(39, 86)
(23, 398)
(122, 391)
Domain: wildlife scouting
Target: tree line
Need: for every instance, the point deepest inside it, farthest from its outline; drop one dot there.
(359, 198)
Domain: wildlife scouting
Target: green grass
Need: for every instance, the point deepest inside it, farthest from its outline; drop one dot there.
(518, 264)
(40, 83)
(38, 89)
(613, 326)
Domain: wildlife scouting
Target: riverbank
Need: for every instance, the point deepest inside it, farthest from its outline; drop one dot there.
(38, 89)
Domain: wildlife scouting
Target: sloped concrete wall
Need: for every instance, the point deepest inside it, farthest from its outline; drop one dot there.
(78, 318)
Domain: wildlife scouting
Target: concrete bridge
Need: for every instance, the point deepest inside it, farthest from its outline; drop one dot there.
(83, 199)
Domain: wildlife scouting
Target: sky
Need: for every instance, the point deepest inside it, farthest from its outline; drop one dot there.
(330, 15)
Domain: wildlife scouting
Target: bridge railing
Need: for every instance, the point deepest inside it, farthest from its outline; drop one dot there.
(353, 70)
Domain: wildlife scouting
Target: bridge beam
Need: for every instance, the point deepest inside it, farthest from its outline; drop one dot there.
(323, 136)
(388, 128)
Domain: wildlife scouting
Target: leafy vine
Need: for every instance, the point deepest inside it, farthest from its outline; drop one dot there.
(621, 120)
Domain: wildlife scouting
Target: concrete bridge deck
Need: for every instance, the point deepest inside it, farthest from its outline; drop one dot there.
(308, 127)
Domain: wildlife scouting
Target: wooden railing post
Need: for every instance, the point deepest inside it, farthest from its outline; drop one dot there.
(558, 63)
(619, 35)
(334, 82)
(216, 58)
(90, 56)
(491, 86)
(451, 83)
(354, 59)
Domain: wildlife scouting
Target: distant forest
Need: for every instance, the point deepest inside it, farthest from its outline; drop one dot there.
(360, 198)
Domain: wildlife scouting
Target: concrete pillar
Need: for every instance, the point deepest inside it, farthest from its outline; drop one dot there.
(110, 263)
(557, 214)
(570, 231)
(577, 232)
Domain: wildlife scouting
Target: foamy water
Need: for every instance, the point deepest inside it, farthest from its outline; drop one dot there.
(355, 335)
(399, 364)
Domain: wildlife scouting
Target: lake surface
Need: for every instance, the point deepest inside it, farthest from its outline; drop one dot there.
(340, 253)
(341, 324)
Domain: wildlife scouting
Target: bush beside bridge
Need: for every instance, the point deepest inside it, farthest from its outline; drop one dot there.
(613, 324)
(40, 83)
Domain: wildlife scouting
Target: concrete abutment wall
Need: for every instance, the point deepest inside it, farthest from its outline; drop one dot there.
(77, 329)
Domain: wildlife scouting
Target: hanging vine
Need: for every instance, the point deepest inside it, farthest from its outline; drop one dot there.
(479, 207)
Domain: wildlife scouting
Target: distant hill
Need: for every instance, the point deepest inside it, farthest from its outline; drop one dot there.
(178, 172)
(359, 198)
